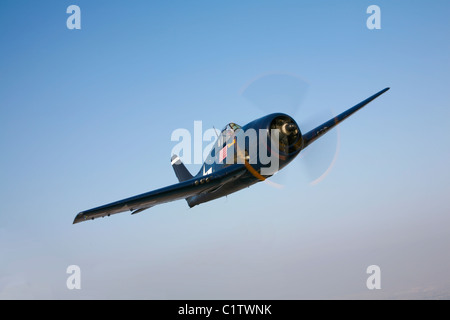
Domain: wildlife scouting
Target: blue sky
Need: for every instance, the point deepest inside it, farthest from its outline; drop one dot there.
(86, 118)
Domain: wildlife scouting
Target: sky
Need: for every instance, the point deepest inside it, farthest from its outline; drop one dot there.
(86, 118)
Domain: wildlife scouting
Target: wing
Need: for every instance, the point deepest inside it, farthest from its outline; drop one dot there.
(182, 190)
(316, 133)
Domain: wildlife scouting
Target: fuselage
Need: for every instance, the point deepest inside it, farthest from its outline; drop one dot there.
(264, 146)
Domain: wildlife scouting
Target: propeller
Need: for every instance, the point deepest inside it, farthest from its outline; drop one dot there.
(286, 92)
(276, 92)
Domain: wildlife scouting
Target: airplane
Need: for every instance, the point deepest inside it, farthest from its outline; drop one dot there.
(233, 168)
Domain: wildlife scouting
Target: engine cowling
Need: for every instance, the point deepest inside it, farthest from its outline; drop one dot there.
(280, 144)
(290, 140)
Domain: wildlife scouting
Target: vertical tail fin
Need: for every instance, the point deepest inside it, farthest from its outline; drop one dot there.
(180, 170)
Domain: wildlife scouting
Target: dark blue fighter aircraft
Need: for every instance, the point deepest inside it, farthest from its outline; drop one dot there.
(230, 166)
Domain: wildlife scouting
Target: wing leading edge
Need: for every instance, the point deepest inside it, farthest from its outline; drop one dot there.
(177, 191)
(316, 133)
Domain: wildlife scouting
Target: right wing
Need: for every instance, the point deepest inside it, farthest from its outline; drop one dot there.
(182, 190)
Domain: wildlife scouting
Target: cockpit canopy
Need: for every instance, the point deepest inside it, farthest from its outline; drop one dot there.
(227, 133)
(231, 126)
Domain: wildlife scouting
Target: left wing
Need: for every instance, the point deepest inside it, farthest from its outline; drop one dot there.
(316, 133)
(182, 190)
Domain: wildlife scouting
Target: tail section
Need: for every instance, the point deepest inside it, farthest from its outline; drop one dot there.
(180, 170)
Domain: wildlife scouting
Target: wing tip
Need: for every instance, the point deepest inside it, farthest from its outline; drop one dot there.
(81, 217)
(376, 95)
(78, 218)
